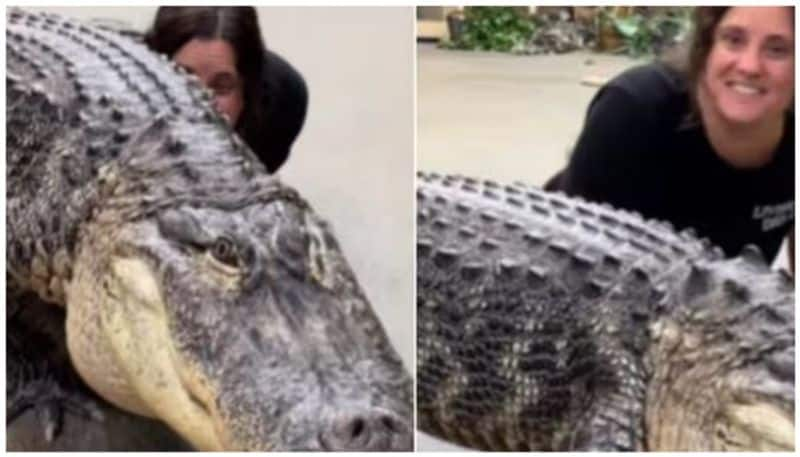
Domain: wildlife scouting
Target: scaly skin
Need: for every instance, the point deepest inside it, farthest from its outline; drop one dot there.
(198, 290)
(548, 323)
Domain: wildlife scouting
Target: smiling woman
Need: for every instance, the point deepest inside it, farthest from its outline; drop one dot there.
(748, 84)
(703, 139)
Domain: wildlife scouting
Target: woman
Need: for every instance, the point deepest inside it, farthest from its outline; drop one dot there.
(262, 96)
(707, 142)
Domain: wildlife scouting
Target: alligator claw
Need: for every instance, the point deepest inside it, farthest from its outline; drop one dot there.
(50, 417)
(50, 401)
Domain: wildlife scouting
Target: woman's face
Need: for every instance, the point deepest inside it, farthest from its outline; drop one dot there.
(749, 74)
(214, 62)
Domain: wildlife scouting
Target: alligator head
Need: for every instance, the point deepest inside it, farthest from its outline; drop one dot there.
(198, 290)
(241, 326)
(724, 362)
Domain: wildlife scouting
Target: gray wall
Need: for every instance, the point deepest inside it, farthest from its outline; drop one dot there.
(354, 158)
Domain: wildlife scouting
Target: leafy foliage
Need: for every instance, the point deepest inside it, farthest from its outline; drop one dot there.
(649, 34)
(641, 31)
(494, 28)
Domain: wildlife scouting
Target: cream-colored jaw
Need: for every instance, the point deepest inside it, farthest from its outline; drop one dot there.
(687, 411)
(760, 427)
(755, 427)
(134, 326)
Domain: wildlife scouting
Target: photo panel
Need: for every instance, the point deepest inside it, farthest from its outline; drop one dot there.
(605, 228)
(209, 230)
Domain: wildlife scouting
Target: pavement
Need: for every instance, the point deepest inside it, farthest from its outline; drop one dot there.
(502, 116)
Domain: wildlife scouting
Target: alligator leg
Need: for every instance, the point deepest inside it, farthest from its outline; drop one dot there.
(38, 369)
(46, 399)
(613, 387)
(614, 421)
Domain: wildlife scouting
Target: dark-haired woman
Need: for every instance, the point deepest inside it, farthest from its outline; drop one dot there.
(704, 142)
(263, 97)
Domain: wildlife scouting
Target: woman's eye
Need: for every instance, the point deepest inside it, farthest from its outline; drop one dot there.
(778, 51)
(223, 84)
(733, 40)
(224, 250)
(222, 89)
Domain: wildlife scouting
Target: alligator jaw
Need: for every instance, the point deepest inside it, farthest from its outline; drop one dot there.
(148, 361)
(744, 427)
(770, 428)
(720, 416)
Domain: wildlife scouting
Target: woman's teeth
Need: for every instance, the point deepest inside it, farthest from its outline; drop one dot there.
(745, 89)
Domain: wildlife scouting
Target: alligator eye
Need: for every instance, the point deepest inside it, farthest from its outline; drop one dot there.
(225, 251)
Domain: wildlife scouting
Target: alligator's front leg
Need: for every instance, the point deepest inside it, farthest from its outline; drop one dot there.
(39, 376)
(614, 421)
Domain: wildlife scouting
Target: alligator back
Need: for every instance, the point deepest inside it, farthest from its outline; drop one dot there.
(541, 318)
(81, 100)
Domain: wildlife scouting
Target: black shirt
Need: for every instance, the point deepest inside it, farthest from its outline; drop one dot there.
(640, 150)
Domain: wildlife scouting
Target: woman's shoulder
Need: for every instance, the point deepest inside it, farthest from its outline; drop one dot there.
(281, 78)
(278, 71)
(653, 85)
(655, 89)
(284, 103)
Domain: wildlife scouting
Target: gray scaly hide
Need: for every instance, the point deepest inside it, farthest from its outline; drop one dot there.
(549, 323)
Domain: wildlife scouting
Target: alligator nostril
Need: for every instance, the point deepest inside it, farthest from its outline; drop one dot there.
(366, 430)
(357, 428)
(350, 432)
(388, 424)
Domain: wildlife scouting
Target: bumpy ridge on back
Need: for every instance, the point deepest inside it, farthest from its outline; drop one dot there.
(93, 117)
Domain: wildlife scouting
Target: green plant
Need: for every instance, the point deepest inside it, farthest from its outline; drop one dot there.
(494, 28)
(649, 34)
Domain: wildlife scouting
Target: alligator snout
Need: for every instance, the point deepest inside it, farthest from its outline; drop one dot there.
(366, 430)
(345, 427)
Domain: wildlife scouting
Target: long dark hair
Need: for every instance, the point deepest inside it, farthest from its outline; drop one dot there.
(174, 26)
(690, 57)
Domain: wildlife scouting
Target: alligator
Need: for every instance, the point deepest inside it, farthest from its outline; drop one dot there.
(546, 322)
(197, 290)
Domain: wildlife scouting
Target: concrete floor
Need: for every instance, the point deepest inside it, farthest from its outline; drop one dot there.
(502, 117)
